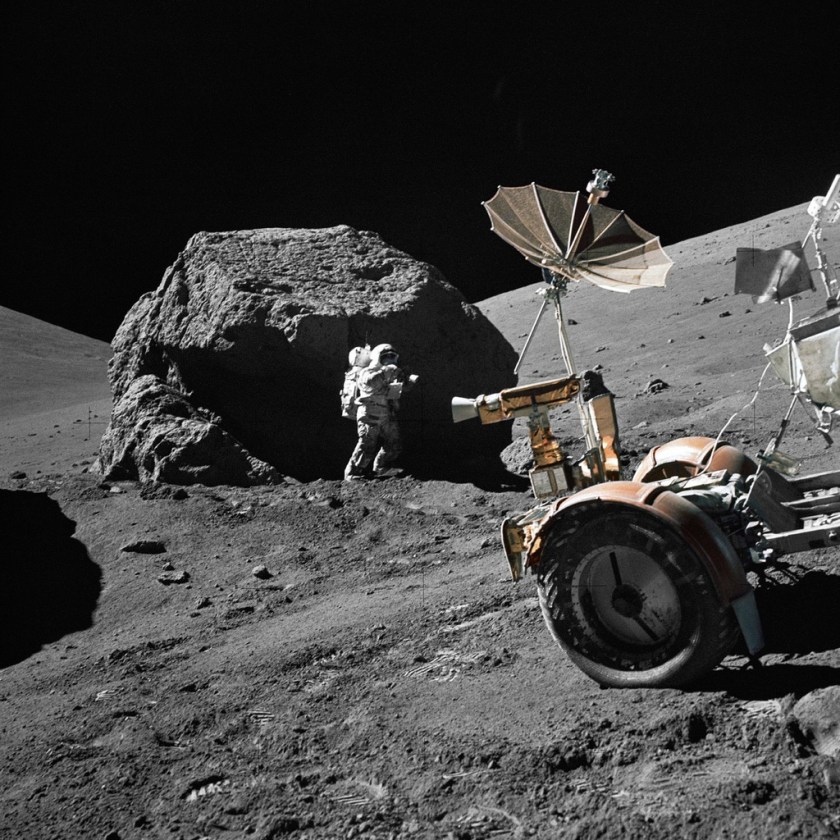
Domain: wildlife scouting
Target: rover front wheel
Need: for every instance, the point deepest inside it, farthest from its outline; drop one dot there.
(628, 600)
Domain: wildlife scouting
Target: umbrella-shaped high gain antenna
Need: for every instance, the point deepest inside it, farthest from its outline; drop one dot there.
(572, 238)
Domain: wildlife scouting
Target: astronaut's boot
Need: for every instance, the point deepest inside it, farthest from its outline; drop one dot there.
(387, 472)
(351, 475)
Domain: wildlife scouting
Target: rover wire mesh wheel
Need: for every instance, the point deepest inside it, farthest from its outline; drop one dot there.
(628, 600)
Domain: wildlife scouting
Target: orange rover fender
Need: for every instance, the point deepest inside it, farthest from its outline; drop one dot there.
(689, 456)
(698, 530)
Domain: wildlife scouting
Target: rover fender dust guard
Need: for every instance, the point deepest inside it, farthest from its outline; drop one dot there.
(694, 526)
(693, 453)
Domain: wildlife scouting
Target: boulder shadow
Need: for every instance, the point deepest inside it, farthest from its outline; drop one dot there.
(798, 612)
(769, 682)
(50, 586)
(487, 473)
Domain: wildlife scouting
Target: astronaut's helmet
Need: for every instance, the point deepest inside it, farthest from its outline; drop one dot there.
(384, 354)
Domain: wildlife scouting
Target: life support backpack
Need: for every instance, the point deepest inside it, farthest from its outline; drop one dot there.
(359, 359)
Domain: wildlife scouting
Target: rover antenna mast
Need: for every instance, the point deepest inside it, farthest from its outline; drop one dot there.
(825, 210)
(558, 283)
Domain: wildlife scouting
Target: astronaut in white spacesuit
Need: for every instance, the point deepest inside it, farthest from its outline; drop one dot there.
(379, 388)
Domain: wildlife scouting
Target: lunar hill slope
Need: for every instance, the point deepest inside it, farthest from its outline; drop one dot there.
(335, 660)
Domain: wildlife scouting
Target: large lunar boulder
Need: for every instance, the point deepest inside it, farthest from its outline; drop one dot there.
(230, 371)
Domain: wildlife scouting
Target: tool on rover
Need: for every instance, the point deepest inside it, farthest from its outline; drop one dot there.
(644, 582)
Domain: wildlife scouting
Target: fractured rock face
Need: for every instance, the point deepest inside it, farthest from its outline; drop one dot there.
(230, 371)
(155, 434)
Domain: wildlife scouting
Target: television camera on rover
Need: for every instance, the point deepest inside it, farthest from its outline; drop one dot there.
(554, 473)
(643, 582)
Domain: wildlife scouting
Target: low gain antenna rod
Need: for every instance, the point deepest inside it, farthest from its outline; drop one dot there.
(825, 210)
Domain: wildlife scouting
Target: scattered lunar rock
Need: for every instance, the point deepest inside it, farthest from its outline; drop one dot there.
(280, 826)
(817, 717)
(655, 386)
(753, 792)
(724, 315)
(150, 490)
(325, 501)
(145, 547)
(173, 577)
(209, 786)
(261, 572)
(239, 804)
(230, 371)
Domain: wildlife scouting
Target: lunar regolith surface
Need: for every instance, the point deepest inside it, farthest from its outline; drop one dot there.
(334, 660)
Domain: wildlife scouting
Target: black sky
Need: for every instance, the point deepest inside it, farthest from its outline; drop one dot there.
(133, 125)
